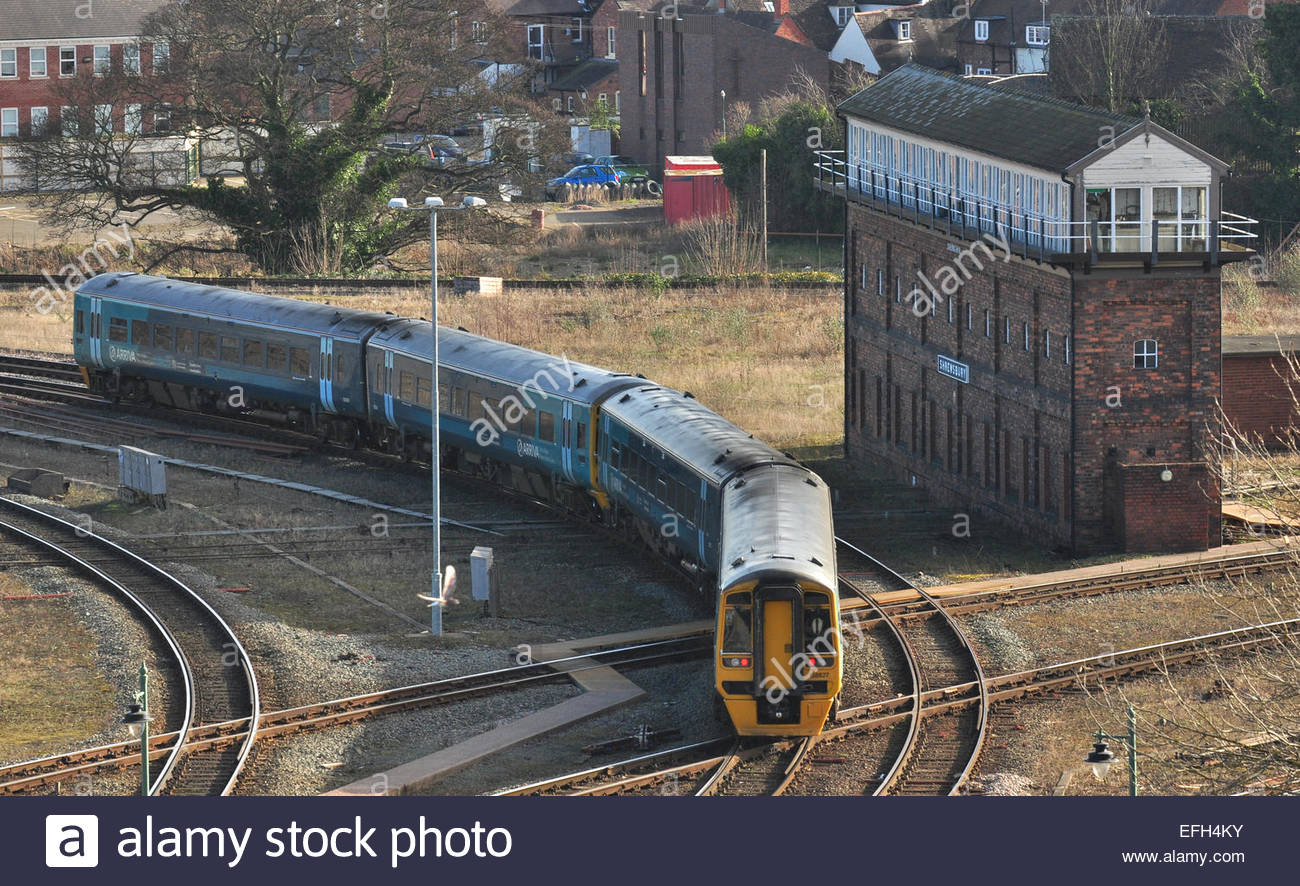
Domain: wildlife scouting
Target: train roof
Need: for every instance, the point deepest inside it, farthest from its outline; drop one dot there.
(776, 522)
(510, 364)
(680, 424)
(236, 304)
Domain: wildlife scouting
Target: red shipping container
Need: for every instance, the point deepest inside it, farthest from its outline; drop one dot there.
(693, 189)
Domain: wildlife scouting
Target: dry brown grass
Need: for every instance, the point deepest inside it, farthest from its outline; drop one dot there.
(1251, 309)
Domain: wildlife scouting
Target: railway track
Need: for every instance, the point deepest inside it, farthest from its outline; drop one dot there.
(211, 669)
(936, 757)
(31, 775)
(757, 770)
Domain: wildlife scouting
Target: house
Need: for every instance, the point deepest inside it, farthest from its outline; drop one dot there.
(680, 67)
(592, 84)
(559, 35)
(1032, 312)
(881, 40)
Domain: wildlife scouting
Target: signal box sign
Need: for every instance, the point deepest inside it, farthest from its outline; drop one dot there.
(953, 369)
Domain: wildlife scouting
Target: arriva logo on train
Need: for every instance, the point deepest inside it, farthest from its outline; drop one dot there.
(120, 354)
(524, 448)
(953, 369)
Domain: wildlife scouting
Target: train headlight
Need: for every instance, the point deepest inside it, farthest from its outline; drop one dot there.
(737, 661)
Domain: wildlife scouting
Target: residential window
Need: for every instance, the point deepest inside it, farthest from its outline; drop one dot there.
(131, 58)
(640, 59)
(862, 284)
(951, 309)
(602, 100)
(904, 30)
(162, 56)
(609, 39)
(1026, 337)
(981, 29)
(1038, 35)
(68, 121)
(880, 282)
(67, 61)
(576, 30)
(568, 103)
(1146, 354)
(8, 63)
(40, 118)
(617, 96)
(843, 14)
(133, 121)
(970, 69)
(103, 119)
(970, 316)
(536, 38)
(1067, 350)
(988, 324)
(984, 72)
(162, 118)
(1047, 343)
(8, 121)
(479, 30)
(1006, 321)
(898, 290)
(103, 60)
(36, 61)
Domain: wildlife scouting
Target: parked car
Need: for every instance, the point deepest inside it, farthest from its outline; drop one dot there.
(587, 174)
(635, 172)
(436, 150)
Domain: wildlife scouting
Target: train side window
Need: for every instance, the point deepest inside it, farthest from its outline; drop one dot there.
(162, 336)
(207, 345)
(229, 349)
(475, 406)
(406, 387)
(275, 357)
(253, 352)
(340, 372)
(582, 435)
(185, 341)
(736, 634)
(444, 397)
(81, 322)
(116, 329)
(423, 391)
(546, 427)
(457, 401)
(615, 456)
(140, 333)
(300, 362)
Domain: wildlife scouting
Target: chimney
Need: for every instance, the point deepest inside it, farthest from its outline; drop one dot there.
(722, 6)
(780, 9)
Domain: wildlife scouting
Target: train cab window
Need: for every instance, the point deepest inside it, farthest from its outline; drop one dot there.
(275, 357)
(546, 427)
(582, 435)
(457, 401)
(253, 353)
(229, 349)
(81, 322)
(736, 621)
(406, 387)
(140, 333)
(185, 341)
(816, 623)
(423, 391)
(300, 362)
(162, 336)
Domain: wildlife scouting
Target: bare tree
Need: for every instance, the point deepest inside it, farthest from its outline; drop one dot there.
(1110, 54)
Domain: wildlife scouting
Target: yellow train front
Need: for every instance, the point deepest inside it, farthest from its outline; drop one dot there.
(778, 658)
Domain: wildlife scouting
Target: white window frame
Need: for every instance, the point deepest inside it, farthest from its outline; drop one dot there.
(617, 98)
(611, 34)
(133, 120)
(1007, 321)
(970, 69)
(970, 317)
(40, 119)
(9, 60)
(984, 72)
(67, 55)
(8, 122)
(1047, 344)
(602, 100)
(568, 103)
(34, 53)
(162, 51)
(843, 14)
(862, 273)
(537, 41)
(1026, 338)
(904, 30)
(103, 119)
(575, 29)
(1067, 350)
(981, 29)
(479, 32)
(69, 125)
(880, 281)
(951, 311)
(988, 323)
(898, 290)
(1148, 351)
(101, 63)
(1038, 35)
(131, 59)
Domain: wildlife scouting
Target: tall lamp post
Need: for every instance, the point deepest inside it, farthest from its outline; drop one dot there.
(431, 206)
(723, 93)
(137, 721)
(1102, 756)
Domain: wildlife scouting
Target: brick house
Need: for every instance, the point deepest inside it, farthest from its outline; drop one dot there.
(43, 44)
(1033, 310)
(673, 72)
(881, 40)
(560, 35)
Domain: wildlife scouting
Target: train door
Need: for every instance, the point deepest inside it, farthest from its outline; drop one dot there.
(386, 385)
(95, 331)
(566, 441)
(327, 374)
(778, 619)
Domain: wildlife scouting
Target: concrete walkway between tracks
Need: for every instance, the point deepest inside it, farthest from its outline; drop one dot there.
(605, 688)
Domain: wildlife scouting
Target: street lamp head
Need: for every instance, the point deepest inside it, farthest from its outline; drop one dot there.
(432, 202)
(1100, 759)
(473, 202)
(397, 203)
(723, 93)
(136, 718)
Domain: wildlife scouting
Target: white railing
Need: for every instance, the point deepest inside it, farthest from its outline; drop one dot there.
(973, 216)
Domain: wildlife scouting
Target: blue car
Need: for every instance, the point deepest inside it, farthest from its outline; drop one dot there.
(588, 174)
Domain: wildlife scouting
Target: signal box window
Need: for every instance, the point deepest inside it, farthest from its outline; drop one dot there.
(116, 329)
(1146, 354)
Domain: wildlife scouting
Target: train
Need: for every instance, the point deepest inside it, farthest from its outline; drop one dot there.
(749, 525)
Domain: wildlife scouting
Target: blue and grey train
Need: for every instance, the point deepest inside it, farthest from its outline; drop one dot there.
(751, 525)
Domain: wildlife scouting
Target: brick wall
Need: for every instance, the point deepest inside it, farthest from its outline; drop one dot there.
(25, 92)
(1153, 514)
(1257, 396)
(687, 61)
